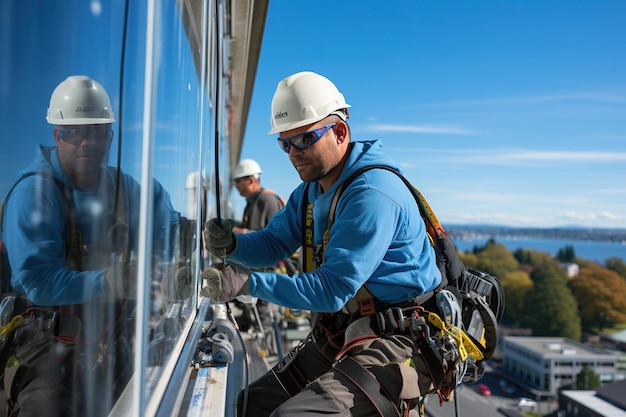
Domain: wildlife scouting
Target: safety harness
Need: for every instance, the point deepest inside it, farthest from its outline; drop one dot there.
(449, 352)
(62, 321)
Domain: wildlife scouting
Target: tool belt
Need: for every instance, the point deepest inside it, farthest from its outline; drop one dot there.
(61, 325)
(36, 324)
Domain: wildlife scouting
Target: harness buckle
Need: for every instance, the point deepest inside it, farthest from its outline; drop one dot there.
(366, 306)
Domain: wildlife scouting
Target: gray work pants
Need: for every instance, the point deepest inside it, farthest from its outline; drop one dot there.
(310, 386)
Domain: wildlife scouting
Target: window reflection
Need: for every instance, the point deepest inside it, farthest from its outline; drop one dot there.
(73, 233)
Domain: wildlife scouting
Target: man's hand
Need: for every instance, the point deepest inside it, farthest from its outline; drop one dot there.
(218, 237)
(225, 283)
(121, 280)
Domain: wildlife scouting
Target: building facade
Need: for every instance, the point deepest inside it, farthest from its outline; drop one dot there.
(544, 364)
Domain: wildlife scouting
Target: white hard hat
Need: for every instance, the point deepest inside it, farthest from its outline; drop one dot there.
(79, 100)
(247, 168)
(304, 98)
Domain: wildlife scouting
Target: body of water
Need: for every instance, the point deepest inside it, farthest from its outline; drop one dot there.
(586, 249)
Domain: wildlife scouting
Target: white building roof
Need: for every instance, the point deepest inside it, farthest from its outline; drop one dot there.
(589, 400)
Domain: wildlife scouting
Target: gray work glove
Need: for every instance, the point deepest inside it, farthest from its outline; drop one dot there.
(121, 280)
(177, 282)
(118, 237)
(219, 238)
(225, 283)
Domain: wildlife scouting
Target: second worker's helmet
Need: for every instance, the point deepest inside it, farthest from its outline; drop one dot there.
(247, 168)
(304, 98)
(79, 100)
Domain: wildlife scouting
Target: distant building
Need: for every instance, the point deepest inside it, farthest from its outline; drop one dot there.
(542, 365)
(606, 401)
(571, 269)
(614, 341)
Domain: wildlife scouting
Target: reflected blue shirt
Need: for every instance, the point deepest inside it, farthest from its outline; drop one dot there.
(378, 238)
(33, 230)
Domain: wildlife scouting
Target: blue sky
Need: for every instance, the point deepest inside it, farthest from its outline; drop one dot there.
(501, 112)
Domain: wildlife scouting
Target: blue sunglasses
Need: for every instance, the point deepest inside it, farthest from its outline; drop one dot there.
(304, 140)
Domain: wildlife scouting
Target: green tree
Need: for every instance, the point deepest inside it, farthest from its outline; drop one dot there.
(529, 258)
(516, 285)
(551, 309)
(566, 254)
(617, 265)
(496, 259)
(469, 259)
(586, 379)
(601, 297)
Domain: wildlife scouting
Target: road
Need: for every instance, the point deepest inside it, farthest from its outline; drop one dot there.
(471, 403)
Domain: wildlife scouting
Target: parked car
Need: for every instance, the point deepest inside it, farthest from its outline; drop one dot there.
(526, 404)
(484, 390)
(506, 387)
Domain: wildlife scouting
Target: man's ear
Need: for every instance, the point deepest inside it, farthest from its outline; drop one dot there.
(57, 135)
(341, 131)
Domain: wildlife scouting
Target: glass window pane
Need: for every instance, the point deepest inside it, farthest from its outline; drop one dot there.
(103, 176)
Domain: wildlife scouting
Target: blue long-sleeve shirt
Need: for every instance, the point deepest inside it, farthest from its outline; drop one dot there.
(34, 227)
(378, 238)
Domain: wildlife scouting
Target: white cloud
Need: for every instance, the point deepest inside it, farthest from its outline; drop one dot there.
(438, 130)
(508, 157)
(601, 97)
(588, 215)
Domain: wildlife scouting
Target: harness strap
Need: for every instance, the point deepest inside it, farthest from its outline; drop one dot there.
(251, 203)
(308, 244)
(364, 300)
(369, 385)
(268, 191)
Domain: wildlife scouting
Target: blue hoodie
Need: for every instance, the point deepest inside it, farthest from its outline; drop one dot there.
(33, 230)
(378, 238)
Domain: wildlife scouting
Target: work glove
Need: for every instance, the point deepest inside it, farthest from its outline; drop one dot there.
(121, 280)
(186, 236)
(118, 238)
(218, 237)
(177, 282)
(225, 282)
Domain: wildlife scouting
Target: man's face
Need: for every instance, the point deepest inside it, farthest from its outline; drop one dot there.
(316, 161)
(243, 185)
(82, 148)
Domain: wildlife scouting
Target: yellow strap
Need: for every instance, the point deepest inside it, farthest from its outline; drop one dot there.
(6, 330)
(463, 342)
(309, 244)
(436, 227)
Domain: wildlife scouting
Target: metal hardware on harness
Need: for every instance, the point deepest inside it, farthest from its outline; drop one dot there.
(366, 307)
(422, 330)
(476, 283)
(464, 344)
(391, 320)
(450, 308)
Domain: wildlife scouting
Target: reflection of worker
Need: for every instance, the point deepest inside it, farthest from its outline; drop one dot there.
(375, 258)
(71, 227)
(261, 205)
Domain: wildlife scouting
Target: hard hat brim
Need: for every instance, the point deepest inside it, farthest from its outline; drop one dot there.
(76, 122)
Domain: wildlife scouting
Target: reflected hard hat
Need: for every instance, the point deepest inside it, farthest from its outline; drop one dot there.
(247, 168)
(79, 100)
(302, 99)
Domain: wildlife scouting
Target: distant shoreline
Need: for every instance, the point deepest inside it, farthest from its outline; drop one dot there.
(471, 232)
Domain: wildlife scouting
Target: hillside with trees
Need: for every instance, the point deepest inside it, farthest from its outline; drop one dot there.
(542, 297)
